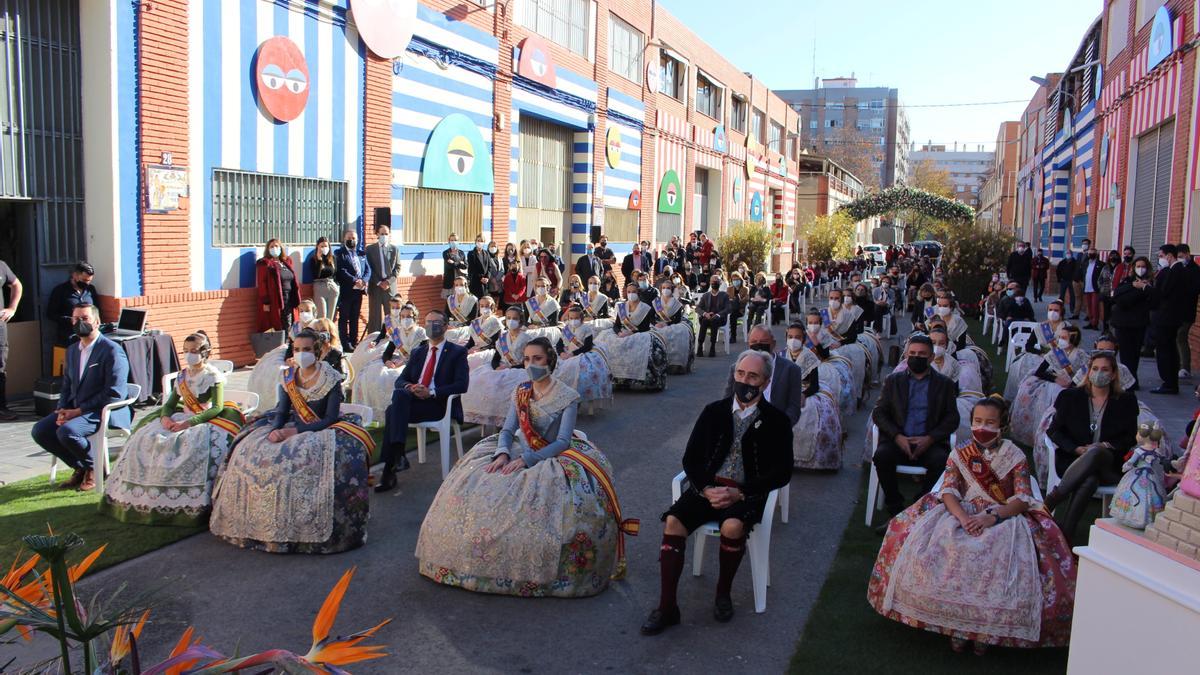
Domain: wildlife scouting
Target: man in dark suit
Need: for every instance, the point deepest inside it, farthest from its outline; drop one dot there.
(588, 265)
(635, 261)
(353, 273)
(1064, 274)
(739, 451)
(1169, 297)
(76, 290)
(1020, 265)
(94, 375)
(785, 389)
(454, 265)
(1081, 263)
(435, 371)
(1014, 306)
(482, 268)
(1190, 273)
(384, 259)
(713, 310)
(916, 413)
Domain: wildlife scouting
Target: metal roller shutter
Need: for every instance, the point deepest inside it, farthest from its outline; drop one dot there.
(546, 170)
(1152, 188)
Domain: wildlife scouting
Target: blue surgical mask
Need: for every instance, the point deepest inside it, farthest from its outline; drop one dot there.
(1010, 292)
(537, 373)
(453, 245)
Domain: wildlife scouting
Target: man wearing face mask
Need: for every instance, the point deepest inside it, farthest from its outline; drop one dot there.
(636, 261)
(713, 310)
(1020, 265)
(1040, 267)
(384, 257)
(95, 374)
(435, 371)
(916, 413)
(454, 265)
(353, 273)
(785, 388)
(482, 268)
(738, 452)
(65, 297)
(1013, 307)
(588, 265)
(1169, 298)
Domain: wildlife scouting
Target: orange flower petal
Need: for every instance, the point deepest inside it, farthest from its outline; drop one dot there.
(329, 610)
(15, 574)
(78, 570)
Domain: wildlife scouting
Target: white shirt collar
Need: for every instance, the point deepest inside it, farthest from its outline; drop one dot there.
(737, 409)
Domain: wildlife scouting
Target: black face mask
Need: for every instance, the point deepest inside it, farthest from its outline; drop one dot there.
(761, 347)
(84, 329)
(351, 243)
(745, 392)
(1128, 258)
(918, 364)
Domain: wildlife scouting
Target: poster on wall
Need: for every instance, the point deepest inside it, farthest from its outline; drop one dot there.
(385, 25)
(670, 193)
(456, 158)
(165, 185)
(635, 200)
(281, 78)
(756, 207)
(1079, 192)
(1162, 42)
(536, 63)
(612, 146)
(720, 142)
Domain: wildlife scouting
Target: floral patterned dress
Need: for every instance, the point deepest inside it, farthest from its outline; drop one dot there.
(639, 359)
(586, 373)
(547, 530)
(817, 437)
(1013, 585)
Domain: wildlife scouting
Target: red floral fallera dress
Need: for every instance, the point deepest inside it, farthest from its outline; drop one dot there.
(1013, 585)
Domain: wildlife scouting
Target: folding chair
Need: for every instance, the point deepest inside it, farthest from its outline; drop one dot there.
(99, 440)
(874, 495)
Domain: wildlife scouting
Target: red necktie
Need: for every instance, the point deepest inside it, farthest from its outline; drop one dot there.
(427, 374)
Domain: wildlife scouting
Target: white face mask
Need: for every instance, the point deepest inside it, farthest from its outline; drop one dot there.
(406, 322)
(514, 324)
(939, 350)
(305, 359)
(306, 317)
(383, 240)
(593, 287)
(631, 296)
(323, 250)
(192, 358)
(479, 244)
(1163, 262)
(395, 314)
(1141, 271)
(541, 291)
(1053, 315)
(795, 344)
(814, 328)
(1064, 343)
(835, 304)
(460, 290)
(274, 251)
(575, 323)
(485, 312)
(943, 311)
(667, 292)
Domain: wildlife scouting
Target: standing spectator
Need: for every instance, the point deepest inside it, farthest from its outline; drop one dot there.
(706, 250)
(76, 290)
(516, 287)
(1190, 275)
(1124, 267)
(1131, 313)
(353, 271)
(1064, 274)
(1091, 287)
(278, 288)
(1106, 288)
(1081, 271)
(510, 256)
(637, 260)
(605, 254)
(588, 265)
(547, 268)
(609, 286)
(691, 252)
(324, 273)
(454, 265)
(1170, 296)
(481, 268)
(1020, 265)
(384, 257)
(12, 298)
(1039, 267)
(529, 266)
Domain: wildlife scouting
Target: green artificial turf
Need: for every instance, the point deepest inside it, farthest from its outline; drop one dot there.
(984, 342)
(31, 506)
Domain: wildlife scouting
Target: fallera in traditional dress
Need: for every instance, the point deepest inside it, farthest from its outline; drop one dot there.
(264, 377)
(586, 370)
(374, 383)
(553, 528)
(307, 494)
(678, 335)
(817, 436)
(1013, 585)
(1141, 493)
(1044, 337)
(490, 391)
(1035, 396)
(639, 360)
(166, 477)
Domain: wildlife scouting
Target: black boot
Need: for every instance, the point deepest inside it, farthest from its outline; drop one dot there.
(387, 479)
(660, 620)
(712, 349)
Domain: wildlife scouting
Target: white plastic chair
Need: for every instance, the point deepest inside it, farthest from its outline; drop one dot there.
(223, 365)
(443, 428)
(99, 440)
(363, 411)
(723, 333)
(1104, 493)
(758, 543)
(988, 318)
(1015, 350)
(874, 494)
(247, 401)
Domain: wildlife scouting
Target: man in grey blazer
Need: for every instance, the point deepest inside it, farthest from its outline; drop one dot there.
(713, 310)
(785, 389)
(384, 258)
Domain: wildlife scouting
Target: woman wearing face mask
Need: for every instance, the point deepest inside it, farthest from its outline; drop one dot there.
(636, 355)
(595, 305)
(574, 292)
(1131, 313)
(288, 458)
(581, 366)
(547, 268)
(166, 471)
(1039, 343)
(980, 529)
(542, 308)
(923, 304)
(461, 306)
(843, 327)
(278, 288)
(399, 336)
(817, 435)
(529, 267)
(836, 373)
(739, 298)
(515, 287)
(1093, 427)
(264, 378)
(760, 299)
(1037, 391)
(493, 379)
(329, 347)
(610, 287)
(324, 273)
(678, 334)
(478, 534)
(482, 331)
(956, 326)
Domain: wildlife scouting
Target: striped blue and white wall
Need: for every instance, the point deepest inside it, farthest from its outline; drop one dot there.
(443, 72)
(229, 131)
(1070, 149)
(623, 112)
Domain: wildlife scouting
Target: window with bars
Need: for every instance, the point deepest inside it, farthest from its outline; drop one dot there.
(674, 76)
(431, 215)
(625, 49)
(546, 154)
(775, 137)
(709, 96)
(737, 114)
(563, 21)
(251, 208)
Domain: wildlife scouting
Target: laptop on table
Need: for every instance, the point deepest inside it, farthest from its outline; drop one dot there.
(131, 324)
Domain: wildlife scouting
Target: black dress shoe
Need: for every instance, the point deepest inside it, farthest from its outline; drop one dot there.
(723, 610)
(402, 462)
(387, 481)
(712, 351)
(658, 621)
(1165, 390)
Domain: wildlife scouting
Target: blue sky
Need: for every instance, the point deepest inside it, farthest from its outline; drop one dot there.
(933, 51)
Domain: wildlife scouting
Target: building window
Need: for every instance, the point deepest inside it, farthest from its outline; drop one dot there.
(877, 104)
(674, 76)
(1118, 28)
(708, 96)
(862, 105)
(757, 120)
(621, 225)
(250, 208)
(563, 21)
(812, 124)
(775, 137)
(546, 170)
(431, 215)
(832, 124)
(737, 113)
(625, 49)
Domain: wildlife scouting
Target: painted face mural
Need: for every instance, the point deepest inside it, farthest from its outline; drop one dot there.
(456, 158)
(737, 190)
(756, 207)
(670, 193)
(612, 146)
(536, 63)
(719, 140)
(281, 78)
(385, 25)
(635, 200)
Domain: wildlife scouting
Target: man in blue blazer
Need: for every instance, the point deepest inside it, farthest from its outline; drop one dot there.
(353, 273)
(436, 370)
(95, 375)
